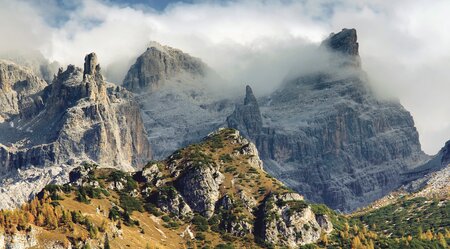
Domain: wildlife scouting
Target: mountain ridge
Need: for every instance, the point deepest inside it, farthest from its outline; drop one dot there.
(78, 117)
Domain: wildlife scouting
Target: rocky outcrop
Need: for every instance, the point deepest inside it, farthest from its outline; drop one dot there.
(160, 64)
(18, 240)
(81, 118)
(329, 137)
(289, 222)
(169, 200)
(199, 185)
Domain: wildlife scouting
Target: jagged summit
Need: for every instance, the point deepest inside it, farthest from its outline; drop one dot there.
(345, 42)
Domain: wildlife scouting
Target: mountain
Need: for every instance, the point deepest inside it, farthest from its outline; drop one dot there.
(213, 194)
(48, 129)
(178, 105)
(328, 136)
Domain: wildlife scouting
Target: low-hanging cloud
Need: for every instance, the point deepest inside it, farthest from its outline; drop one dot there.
(405, 47)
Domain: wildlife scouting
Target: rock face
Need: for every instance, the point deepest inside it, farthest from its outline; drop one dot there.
(327, 136)
(79, 117)
(200, 187)
(177, 106)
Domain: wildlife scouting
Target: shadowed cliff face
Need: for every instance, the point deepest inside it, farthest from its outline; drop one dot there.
(81, 118)
(328, 137)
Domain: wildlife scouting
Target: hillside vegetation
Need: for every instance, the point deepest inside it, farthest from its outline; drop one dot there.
(214, 194)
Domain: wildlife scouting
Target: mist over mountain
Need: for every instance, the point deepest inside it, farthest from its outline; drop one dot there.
(398, 53)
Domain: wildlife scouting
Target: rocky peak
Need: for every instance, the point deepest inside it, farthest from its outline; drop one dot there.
(160, 64)
(90, 65)
(247, 117)
(249, 97)
(344, 42)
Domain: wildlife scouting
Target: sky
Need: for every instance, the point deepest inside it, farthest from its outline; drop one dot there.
(404, 44)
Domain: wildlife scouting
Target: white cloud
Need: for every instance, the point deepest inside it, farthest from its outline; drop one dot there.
(404, 44)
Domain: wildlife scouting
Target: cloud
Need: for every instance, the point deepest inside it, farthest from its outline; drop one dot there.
(404, 44)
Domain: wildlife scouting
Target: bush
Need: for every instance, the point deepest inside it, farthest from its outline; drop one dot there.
(114, 213)
(226, 158)
(81, 196)
(151, 208)
(200, 222)
(130, 203)
(200, 236)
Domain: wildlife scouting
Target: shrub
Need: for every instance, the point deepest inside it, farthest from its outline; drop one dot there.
(130, 203)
